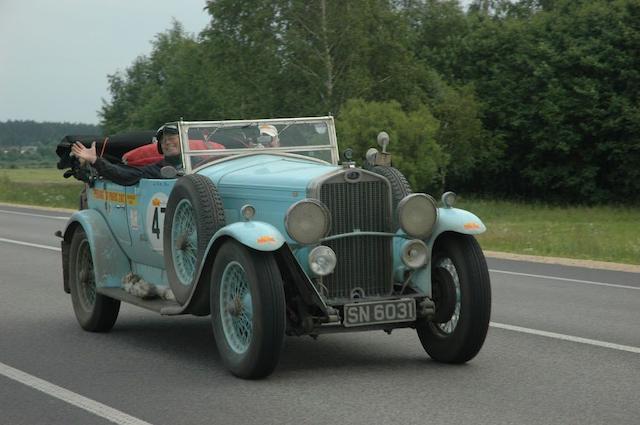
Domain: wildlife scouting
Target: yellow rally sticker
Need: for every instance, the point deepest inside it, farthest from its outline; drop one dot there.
(114, 196)
(266, 239)
(471, 225)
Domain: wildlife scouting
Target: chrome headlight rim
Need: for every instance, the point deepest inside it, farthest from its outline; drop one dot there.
(293, 226)
(410, 260)
(422, 232)
(328, 254)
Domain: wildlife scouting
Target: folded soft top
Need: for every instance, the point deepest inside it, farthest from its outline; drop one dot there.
(116, 146)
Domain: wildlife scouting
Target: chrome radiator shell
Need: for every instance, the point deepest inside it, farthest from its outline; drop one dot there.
(359, 201)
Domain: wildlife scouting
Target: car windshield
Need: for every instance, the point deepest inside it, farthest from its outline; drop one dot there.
(207, 141)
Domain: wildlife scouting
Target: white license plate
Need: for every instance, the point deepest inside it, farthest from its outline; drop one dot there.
(372, 313)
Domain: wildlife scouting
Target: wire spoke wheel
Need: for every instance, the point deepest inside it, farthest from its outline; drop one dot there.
(85, 276)
(461, 292)
(235, 307)
(449, 326)
(94, 312)
(247, 309)
(184, 237)
(193, 215)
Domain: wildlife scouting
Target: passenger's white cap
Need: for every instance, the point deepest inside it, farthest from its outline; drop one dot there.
(268, 129)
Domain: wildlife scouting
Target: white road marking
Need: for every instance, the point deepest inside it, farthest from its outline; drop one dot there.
(70, 397)
(566, 337)
(52, 248)
(588, 282)
(35, 215)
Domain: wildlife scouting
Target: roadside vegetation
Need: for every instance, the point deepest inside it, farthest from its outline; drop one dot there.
(604, 233)
(42, 187)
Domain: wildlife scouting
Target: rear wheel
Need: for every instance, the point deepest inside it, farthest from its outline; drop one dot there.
(462, 295)
(95, 312)
(247, 310)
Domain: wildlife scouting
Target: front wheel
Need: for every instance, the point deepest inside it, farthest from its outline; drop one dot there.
(95, 312)
(247, 310)
(462, 294)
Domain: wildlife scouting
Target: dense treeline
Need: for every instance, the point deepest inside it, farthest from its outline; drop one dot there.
(531, 99)
(26, 143)
(32, 133)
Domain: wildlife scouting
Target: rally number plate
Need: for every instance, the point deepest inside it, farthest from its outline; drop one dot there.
(372, 313)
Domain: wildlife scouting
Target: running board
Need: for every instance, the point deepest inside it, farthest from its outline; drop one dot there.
(164, 307)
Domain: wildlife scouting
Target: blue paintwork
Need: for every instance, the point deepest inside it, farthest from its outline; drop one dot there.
(271, 183)
(110, 263)
(125, 224)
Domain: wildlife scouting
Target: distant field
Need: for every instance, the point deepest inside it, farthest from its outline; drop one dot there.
(39, 186)
(35, 175)
(593, 233)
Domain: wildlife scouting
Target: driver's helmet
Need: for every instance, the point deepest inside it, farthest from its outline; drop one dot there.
(164, 130)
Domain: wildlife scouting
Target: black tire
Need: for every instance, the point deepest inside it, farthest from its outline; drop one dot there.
(259, 355)
(399, 186)
(208, 216)
(459, 339)
(95, 312)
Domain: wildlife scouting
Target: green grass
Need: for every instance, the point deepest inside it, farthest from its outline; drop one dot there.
(594, 233)
(36, 175)
(39, 186)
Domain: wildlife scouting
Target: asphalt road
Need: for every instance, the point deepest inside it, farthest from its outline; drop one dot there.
(564, 348)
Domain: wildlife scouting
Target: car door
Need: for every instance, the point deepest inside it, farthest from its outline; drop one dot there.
(111, 200)
(146, 220)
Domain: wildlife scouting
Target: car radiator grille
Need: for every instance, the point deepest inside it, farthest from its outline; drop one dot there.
(364, 262)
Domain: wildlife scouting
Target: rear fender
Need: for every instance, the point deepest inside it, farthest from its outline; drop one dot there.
(110, 263)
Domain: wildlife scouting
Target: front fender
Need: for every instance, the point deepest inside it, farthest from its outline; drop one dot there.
(254, 234)
(110, 263)
(457, 220)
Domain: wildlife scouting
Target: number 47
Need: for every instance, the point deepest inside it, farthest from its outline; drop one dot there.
(155, 226)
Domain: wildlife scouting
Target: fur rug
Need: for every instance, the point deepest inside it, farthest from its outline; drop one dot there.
(135, 285)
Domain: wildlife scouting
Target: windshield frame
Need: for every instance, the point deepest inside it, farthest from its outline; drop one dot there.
(226, 154)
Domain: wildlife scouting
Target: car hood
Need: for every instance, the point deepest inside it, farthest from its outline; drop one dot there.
(272, 172)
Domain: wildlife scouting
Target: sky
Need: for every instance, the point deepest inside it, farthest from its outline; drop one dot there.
(55, 55)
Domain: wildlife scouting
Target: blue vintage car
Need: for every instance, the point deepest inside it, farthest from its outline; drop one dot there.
(267, 232)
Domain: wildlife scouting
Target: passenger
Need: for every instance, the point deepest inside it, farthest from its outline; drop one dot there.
(270, 130)
(168, 145)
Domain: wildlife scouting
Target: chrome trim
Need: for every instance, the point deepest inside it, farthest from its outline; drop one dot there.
(406, 199)
(183, 127)
(323, 208)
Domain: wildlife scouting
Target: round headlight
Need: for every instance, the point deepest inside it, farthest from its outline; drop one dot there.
(415, 254)
(417, 214)
(322, 260)
(307, 221)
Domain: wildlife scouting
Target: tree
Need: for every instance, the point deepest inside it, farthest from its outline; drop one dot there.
(412, 136)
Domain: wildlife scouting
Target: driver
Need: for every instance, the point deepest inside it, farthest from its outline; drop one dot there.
(168, 145)
(270, 130)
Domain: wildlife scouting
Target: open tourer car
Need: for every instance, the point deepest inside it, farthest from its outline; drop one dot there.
(272, 234)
